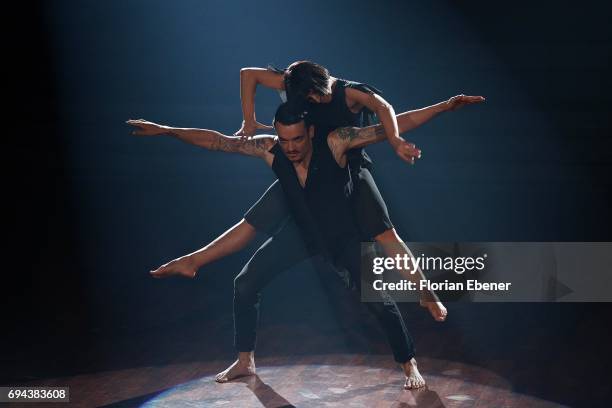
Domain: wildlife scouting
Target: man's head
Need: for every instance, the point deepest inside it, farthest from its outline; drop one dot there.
(307, 81)
(294, 134)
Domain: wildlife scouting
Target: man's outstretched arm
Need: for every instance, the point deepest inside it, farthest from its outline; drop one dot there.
(407, 121)
(343, 139)
(347, 138)
(386, 114)
(256, 146)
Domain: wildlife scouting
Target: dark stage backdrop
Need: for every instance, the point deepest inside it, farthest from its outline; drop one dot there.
(90, 209)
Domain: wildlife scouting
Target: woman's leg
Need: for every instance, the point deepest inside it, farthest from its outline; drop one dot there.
(388, 316)
(368, 205)
(232, 240)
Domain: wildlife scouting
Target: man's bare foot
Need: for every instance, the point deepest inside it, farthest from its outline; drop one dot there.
(431, 302)
(183, 266)
(414, 379)
(243, 366)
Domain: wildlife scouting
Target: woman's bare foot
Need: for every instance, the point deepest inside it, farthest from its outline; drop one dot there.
(414, 379)
(183, 266)
(245, 365)
(431, 302)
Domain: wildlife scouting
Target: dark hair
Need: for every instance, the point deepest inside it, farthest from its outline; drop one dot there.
(302, 77)
(288, 114)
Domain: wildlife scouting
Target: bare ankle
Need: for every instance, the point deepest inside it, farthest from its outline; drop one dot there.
(246, 357)
(410, 363)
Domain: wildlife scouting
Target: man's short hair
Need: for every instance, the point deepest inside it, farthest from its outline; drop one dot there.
(289, 114)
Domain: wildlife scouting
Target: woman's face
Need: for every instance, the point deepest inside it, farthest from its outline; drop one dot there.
(313, 97)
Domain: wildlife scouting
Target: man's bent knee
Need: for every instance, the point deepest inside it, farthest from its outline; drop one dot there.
(242, 286)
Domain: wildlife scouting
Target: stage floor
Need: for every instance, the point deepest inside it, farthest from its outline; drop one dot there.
(333, 380)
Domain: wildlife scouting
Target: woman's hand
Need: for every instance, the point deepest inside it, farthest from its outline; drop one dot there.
(250, 128)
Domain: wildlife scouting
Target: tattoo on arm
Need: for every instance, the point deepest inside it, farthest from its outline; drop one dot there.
(251, 147)
(359, 137)
(347, 138)
(257, 146)
(347, 133)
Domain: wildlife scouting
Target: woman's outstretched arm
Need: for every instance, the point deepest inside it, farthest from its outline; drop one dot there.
(249, 79)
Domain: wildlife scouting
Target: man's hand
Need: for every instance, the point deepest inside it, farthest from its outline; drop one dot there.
(460, 101)
(146, 128)
(406, 151)
(250, 128)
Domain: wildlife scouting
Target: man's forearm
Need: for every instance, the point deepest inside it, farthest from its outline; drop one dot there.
(256, 146)
(407, 121)
(208, 139)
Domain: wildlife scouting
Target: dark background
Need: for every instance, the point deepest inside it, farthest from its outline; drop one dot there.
(90, 209)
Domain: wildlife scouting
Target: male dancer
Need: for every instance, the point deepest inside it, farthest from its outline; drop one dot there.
(247, 295)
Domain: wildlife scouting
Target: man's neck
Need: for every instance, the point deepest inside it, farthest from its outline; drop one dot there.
(304, 163)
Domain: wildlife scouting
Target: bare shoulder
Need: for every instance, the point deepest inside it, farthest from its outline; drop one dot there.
(262, 143)
(356, 94)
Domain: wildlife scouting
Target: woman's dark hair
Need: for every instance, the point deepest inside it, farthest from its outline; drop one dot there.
(302, 77)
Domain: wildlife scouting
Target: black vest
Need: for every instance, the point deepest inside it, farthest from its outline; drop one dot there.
(326, 117)
(321, 209)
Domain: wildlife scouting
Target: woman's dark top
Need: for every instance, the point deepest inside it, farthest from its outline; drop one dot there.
(336, 113)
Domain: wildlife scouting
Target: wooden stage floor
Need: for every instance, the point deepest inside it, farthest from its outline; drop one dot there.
(334, 380)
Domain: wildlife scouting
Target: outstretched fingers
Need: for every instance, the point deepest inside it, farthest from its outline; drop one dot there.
(473, 99)
(459, 101)
(408, 152)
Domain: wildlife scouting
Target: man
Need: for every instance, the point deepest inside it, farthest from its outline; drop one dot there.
(298, 150)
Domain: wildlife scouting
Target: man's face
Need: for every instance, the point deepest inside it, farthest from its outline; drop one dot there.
(294, 140)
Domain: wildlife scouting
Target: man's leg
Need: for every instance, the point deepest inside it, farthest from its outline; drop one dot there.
(277, 254)
(270, 212)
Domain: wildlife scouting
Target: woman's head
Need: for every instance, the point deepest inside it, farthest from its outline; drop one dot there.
(307, 81)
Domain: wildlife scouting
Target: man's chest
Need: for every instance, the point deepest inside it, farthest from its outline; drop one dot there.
(302, 175)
